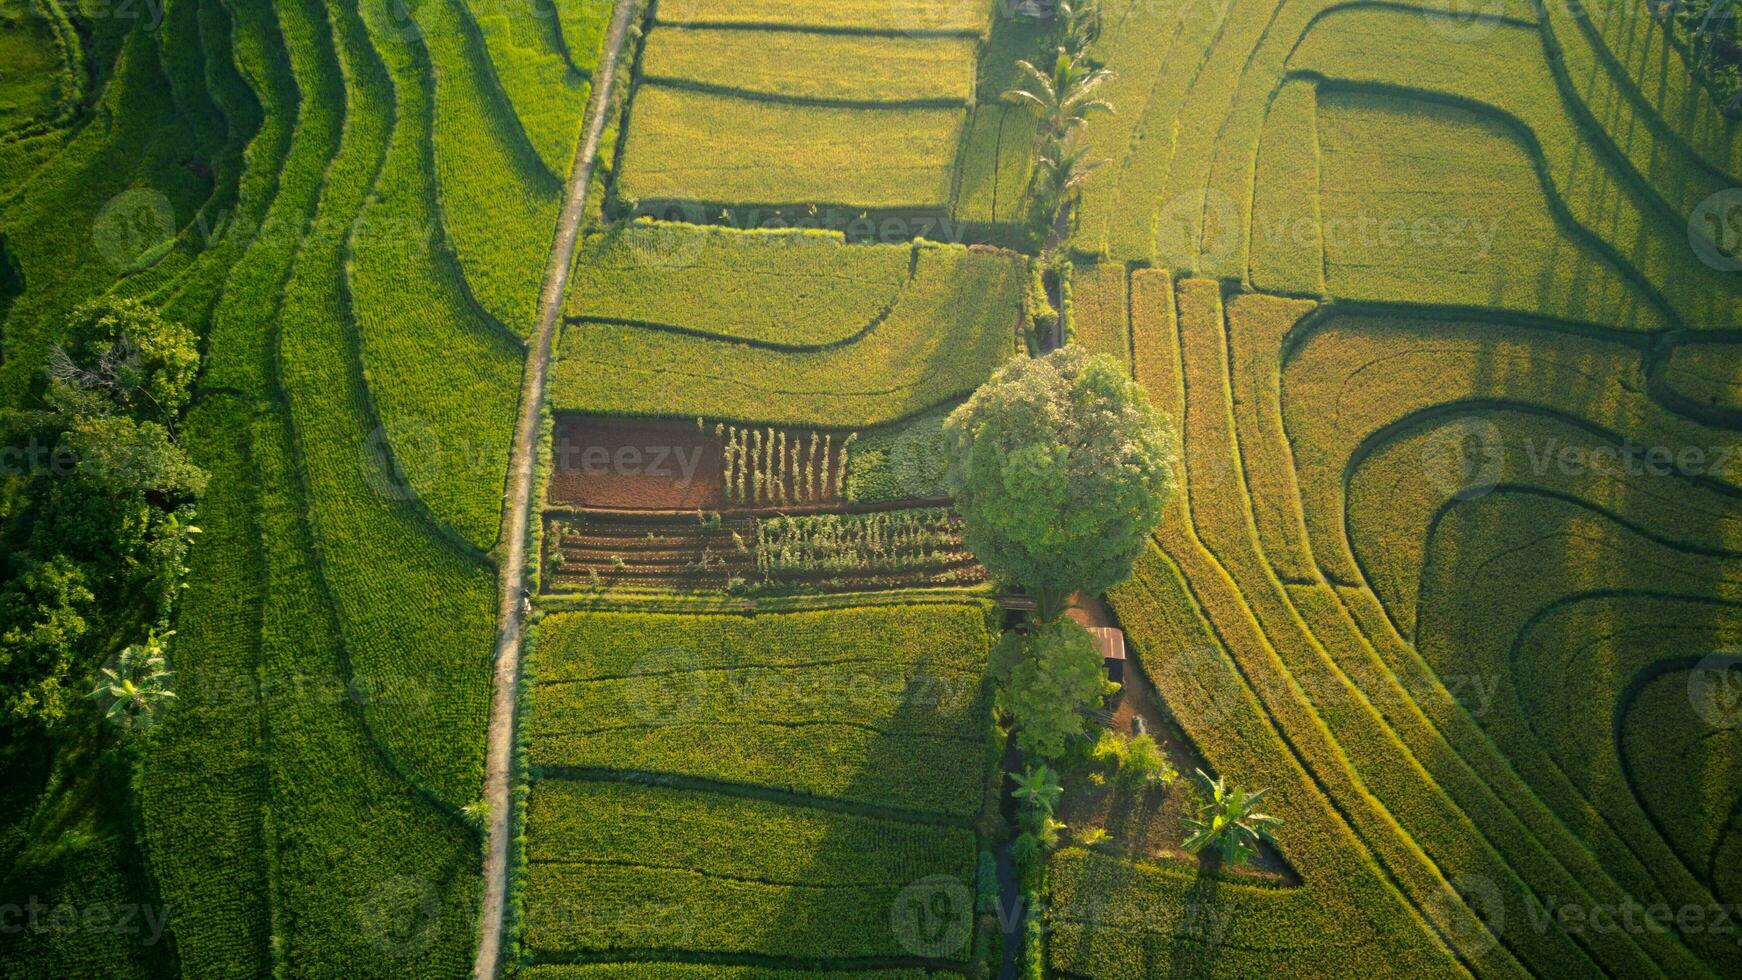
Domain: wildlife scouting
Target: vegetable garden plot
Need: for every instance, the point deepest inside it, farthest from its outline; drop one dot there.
(647, 504)
(814, 704)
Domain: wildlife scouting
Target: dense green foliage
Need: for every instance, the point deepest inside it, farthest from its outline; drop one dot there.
(1047, 679)
(906, 461)
(97, 499)
(1061, 471)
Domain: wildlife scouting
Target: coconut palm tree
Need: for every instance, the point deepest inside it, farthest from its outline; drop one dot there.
(1063, 99)
(1230, 821)
(1060, 172)
(1082, 23)
(139, 686)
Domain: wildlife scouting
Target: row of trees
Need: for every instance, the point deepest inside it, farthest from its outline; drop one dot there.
(97, 499)
(1062, 470)
(1063, 96)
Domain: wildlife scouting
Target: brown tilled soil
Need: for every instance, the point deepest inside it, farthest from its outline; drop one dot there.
(661, 465)
(618, 464)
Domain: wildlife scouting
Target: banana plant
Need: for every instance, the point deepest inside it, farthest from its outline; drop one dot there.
(1229, 821)
(138, 687)
(1039, 788)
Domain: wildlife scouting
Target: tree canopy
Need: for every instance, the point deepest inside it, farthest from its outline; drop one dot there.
(95, 498)
(1044, 680)
(1061, 470)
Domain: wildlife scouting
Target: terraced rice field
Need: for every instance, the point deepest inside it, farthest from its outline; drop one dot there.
(749, 105)
(1443, 304)
(799, 770)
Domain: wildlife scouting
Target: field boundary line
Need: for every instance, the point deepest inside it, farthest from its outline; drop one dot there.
(755, 791)
(517, 513)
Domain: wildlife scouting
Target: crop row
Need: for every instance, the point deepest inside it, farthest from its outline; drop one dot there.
(1109, 916)
(709, 971)
(498, 202)
(525, 41)
(207, 842)
(621, 909)
(795, 289)
(1428, 714)
(891, 541)
(1320, 382)
(1688, 781)
(416, 612)
(269, 654)
(1619, 210)
(953, 324)
(763, 466)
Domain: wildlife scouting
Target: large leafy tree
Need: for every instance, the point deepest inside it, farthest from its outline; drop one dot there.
(1061, 469)
(1047, 679)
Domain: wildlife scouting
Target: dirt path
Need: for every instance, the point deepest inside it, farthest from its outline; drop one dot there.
(516, 517)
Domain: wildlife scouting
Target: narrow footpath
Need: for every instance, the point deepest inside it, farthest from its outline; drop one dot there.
(516, 517)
